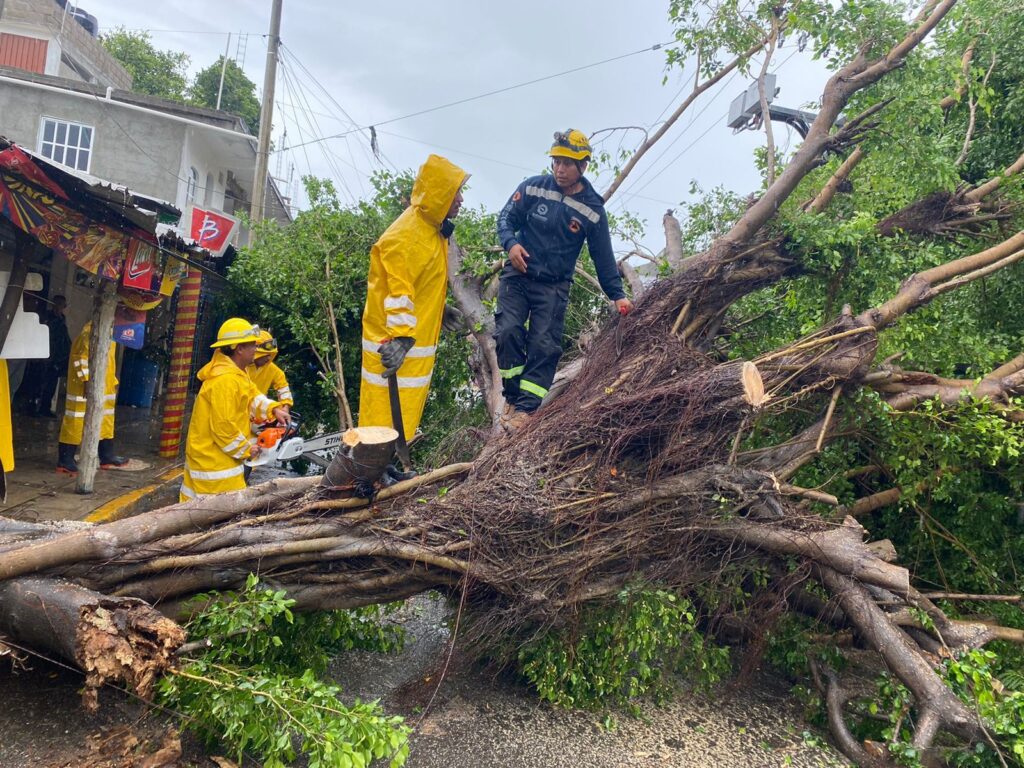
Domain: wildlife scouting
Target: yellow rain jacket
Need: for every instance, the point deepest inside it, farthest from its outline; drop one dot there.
(405, 296)
(74, 404)
(270, 377)
(6, 428)
(219, 434)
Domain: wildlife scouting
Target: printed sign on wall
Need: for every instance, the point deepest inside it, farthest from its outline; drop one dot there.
(212, 230)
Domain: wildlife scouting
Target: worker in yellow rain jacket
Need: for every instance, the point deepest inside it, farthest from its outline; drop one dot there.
(219, 435)
(74, 408)
(405, 297)
(6, 428)
(266, 375)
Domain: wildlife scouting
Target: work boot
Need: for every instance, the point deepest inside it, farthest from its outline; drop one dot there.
(516, 421)
(66, 459)
(393, 474)
(506, 414)
(109, 459)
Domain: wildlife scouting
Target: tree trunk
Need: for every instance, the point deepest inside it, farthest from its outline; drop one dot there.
(95, 387)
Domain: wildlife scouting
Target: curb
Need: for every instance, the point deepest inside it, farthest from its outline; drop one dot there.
(129, 503)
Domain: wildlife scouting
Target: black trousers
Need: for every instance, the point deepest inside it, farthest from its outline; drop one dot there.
(528, 334)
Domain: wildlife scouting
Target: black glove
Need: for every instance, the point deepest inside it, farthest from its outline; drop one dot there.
(453, 320)
(393, 352)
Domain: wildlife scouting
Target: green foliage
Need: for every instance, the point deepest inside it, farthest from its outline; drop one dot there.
(238, 96)
(255, 690)
(617, 653)
(973, 676)
(154, 73)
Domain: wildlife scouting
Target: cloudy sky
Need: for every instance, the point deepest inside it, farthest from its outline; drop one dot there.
(349, 65)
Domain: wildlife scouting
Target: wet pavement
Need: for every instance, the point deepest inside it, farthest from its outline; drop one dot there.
(36, 492)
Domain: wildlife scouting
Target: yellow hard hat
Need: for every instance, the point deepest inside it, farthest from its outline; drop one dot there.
(265, 344)
(236, 330)
(572, 144)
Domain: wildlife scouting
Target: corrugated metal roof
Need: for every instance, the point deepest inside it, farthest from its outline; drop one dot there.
(20, 52)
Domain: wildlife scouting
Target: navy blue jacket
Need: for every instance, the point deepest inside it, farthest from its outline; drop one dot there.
(552, 227)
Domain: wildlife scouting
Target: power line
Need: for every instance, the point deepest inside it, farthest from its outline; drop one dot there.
(335, 102)
(531, 171)
(468, 99)
(288, 81)
(180, 31)
(629, 192)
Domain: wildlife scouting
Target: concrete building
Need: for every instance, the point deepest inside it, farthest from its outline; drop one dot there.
(63, 96)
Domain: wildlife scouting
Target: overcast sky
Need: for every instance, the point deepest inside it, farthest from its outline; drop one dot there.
(383, 60)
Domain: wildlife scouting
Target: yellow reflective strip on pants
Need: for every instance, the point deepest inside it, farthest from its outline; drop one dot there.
(533, 389)
(511, 373)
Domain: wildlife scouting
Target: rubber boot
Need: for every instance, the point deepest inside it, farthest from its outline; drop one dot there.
(109, 459)
(66, 459)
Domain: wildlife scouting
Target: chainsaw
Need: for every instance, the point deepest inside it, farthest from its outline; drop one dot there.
(283, 443)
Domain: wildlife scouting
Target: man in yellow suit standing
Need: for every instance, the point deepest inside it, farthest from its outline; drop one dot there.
(219, 434)
(406, 290)
(74, 408)
(266, 375)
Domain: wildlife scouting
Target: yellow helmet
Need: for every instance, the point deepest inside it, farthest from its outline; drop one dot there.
(265, 344)
(236, 330)
(572, 144)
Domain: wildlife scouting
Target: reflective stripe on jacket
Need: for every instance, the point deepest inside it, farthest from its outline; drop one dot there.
(406, 289)
(74, 402)
(269, 377)
(552, 227)
(219, 434)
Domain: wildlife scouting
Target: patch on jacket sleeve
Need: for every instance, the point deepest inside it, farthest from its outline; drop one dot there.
(575, 225)
(517, 197)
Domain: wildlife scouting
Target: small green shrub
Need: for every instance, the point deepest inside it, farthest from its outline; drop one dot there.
(254, 688)
(620, 652)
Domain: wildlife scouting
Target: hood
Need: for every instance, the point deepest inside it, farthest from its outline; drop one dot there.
(272, 355)
(260, 354)
(437, 183)
(219, 365)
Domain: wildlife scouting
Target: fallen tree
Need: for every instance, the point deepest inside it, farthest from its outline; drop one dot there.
(636, 473)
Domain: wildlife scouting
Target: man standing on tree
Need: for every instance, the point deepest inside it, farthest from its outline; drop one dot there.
(405, 297)
(542, 228)
(219, 434)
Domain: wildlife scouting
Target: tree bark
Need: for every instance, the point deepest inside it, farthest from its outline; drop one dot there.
(95, 387)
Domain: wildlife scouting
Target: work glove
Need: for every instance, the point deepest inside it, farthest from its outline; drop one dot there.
(393, 352)
(453, 320)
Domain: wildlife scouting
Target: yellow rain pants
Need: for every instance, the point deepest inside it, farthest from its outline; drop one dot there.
(74, 403)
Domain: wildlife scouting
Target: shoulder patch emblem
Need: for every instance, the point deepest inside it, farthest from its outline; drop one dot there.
(516, 197)
(575, 225)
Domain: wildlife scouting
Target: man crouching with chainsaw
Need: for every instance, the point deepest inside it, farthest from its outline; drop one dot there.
(405, 296)
(219, 434)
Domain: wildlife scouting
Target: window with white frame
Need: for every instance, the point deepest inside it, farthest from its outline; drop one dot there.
(66, 143)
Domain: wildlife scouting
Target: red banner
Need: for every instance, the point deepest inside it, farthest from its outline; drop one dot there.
(212, 230)
(94, 247)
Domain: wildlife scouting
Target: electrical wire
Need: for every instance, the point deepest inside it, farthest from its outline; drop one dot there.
(335, 102)
(329, 157)
(655, 47)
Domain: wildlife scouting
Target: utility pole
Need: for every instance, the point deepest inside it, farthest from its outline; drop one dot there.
(259, 184)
